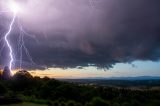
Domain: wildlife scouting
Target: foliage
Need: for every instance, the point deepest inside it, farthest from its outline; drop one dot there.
(25, 104)
(99, 102)
(59, 93)
(3, 89)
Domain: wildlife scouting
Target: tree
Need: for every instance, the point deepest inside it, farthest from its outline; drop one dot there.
(116, 104)
(135, 103)
(2, 89)
(6, 73)
(71, 103)
(99, 102)
(56, 103)
(88, 104)
(126, 104)
(63, 104)
(22, 80)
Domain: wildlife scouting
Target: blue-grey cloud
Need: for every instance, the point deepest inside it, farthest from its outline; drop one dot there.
(101, 33)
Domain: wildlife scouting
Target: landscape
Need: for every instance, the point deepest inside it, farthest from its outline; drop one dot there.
(79, 52)
(24, 90)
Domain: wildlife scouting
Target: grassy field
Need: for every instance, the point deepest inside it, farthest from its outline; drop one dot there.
(25, 104)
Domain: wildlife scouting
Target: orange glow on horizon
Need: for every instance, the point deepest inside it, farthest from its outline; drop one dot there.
(67, 73)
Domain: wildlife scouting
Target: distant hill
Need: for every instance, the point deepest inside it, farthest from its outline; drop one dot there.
(116, 78)
(119, 81)
(130, 78)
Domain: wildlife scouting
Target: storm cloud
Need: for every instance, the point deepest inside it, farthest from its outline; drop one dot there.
(101, 33)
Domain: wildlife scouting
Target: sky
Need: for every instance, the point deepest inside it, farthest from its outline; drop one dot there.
(84, 38)
(137, 68)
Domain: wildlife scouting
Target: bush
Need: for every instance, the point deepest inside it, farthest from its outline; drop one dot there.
(71, 103)
(116, 104)
(63, 104)
(126, 104)
(56, 103)
(78, 104)
(99, 102)
(3, 89)
(135, 103)
(88, 104)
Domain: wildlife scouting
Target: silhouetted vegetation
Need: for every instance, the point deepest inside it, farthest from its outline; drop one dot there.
(22, 87)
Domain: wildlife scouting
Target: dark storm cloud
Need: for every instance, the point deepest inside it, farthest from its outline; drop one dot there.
(74, 33)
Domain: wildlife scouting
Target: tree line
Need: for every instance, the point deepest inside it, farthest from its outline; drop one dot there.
(53, 92)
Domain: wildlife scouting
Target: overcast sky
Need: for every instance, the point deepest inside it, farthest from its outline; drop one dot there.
(71, 33)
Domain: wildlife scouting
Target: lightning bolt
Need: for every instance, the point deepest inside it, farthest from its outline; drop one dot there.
(22, 47)
(21, 42)
(8, 42)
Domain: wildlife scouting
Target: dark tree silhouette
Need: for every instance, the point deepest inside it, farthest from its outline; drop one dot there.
(6, 73)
